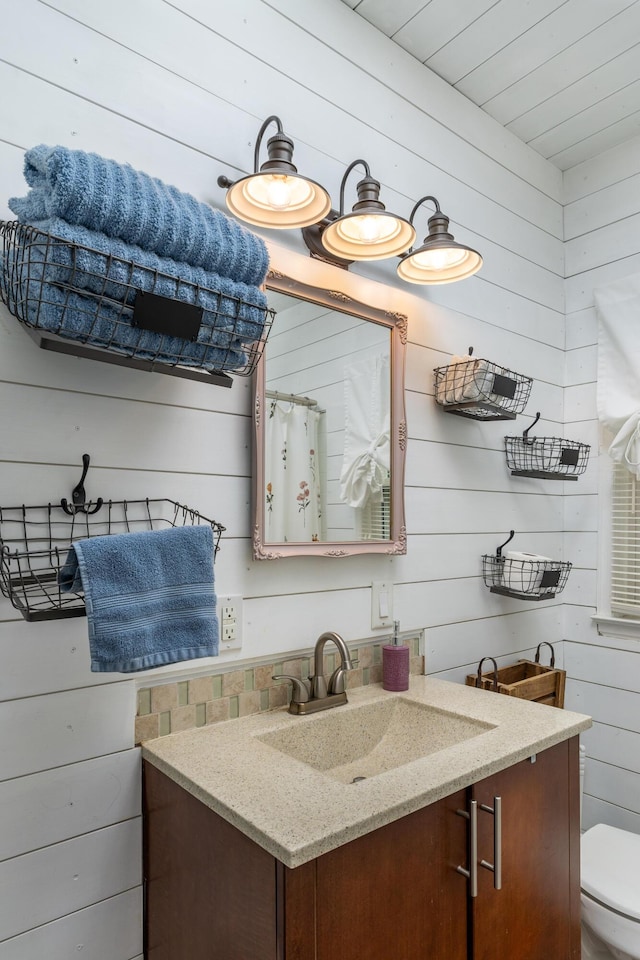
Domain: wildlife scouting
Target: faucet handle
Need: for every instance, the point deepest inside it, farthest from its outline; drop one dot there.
(301, 689)
(337, 682)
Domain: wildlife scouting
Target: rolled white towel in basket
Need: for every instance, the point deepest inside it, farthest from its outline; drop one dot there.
(524, 571)
(466, 378)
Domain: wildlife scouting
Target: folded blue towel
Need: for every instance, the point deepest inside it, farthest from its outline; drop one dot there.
(149, 596)
(112, 268)
(113, 198)
(88, 320)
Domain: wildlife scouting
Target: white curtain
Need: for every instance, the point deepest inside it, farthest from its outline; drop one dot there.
(293, 507)
(367, 444)
(618, 310)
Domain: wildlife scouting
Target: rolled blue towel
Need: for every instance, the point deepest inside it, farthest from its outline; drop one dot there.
(101, 194)
(88, 320)
(113, 268)
(150, 596)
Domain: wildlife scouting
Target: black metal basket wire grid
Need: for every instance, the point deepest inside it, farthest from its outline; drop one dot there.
(548, 458)
(525, 579)
(94, 298)
(34, 542)
(481, 390)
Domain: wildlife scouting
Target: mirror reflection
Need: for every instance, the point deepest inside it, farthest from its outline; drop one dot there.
(327, 427)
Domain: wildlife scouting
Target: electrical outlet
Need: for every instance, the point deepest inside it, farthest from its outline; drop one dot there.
(230, 612)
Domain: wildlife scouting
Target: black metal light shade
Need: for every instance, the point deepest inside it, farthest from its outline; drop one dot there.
(440, 259)
(276, 195)
(369, 232)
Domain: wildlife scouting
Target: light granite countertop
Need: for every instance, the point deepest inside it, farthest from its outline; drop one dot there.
(297, 812)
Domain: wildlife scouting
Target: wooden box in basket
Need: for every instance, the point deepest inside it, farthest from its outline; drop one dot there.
(525, 679)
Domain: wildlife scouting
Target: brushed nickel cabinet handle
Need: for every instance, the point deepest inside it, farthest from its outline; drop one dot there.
(472, 873)
(496, 866)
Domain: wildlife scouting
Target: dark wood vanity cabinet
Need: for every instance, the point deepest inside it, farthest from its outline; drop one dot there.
(536, 914)
(394, 894)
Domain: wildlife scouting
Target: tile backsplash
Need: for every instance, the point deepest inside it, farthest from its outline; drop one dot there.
(170, 707)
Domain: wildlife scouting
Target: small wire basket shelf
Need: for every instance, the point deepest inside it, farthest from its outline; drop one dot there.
(547, 458)
(34, 542)
(524, 579)
(481, 390)
(78, 300)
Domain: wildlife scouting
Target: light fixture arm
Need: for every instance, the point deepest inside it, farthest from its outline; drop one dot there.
(437, 217)
(343, 182)
(279, 149)
(275, 195)
(261, 132)
(419, 204)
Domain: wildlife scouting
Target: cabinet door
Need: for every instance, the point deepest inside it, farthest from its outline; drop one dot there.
(395, 893)
(210, 891)
(536, 914)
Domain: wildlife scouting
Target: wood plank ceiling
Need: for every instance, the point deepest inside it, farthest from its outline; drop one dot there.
(563, 75)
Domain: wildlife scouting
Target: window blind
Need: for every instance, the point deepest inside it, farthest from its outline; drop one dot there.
(625, 548)
(376, 517)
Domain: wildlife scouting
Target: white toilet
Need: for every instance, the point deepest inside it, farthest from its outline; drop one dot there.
(610, 892)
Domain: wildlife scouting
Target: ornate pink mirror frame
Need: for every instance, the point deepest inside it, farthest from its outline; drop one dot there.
(338, 299)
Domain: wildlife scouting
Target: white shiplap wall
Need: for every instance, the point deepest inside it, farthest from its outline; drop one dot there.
(602, 216)
(180, 91)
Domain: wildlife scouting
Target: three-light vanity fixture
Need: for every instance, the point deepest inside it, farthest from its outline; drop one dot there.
(278, 197)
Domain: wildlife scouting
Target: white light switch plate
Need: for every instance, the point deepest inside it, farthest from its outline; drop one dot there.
(381, 605)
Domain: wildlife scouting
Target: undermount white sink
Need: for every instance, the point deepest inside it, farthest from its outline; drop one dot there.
(364, 741)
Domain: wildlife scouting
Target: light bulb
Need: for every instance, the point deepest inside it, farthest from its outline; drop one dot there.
(279, 192)
(439, 258)
(368, 229)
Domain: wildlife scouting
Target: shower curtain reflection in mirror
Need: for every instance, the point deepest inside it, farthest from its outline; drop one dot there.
(293, 499)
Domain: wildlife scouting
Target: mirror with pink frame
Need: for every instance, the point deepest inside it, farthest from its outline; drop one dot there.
(330, 429)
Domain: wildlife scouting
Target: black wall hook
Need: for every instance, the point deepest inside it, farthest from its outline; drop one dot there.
(78, 496)
(512, 534)
(525, 433)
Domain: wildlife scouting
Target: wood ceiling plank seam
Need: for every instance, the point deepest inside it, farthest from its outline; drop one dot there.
(597, 116)
(389, 18)
(452, 20)
(585, 90)
(595, 48)
(550, 37)
(488, 34)
(489, 61)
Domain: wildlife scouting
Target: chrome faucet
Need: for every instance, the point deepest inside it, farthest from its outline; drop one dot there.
(314, 694)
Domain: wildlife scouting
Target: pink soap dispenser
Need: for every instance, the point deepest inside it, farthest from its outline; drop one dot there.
(395, 662)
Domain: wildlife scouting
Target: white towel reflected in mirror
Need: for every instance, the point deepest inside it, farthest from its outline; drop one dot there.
(367, 444)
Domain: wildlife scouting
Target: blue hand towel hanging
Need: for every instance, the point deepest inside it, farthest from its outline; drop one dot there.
(150, 596)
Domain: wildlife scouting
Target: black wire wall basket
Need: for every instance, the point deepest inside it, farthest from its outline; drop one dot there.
(524, 576)
(34, 542)
(481, 390)
(85, 302)
(547, 458)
